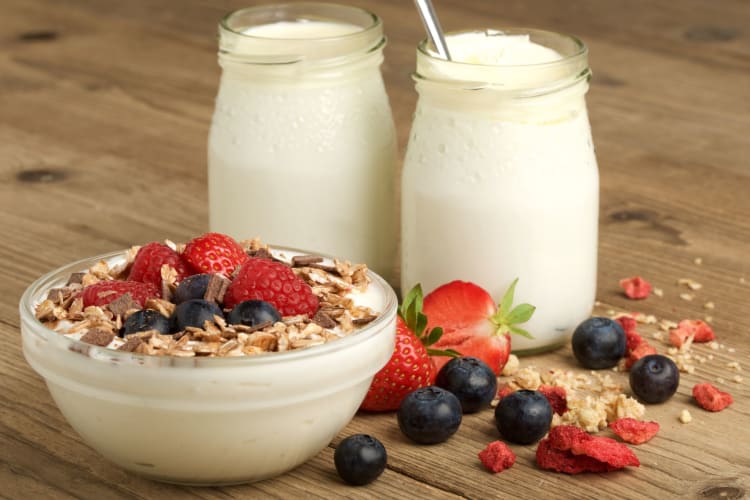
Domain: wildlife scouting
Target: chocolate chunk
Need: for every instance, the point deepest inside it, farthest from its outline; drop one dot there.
(305, 260)
(131, 344)
(326, 268)
(216, 288)
(56, 295)
(76, 278)
(98, 337)
(123, 304)
(364, 321)
(324, 320)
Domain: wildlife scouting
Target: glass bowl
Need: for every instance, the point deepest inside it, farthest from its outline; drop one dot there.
(207, 421)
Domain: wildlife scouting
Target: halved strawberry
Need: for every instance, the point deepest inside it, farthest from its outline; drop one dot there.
(472, 324)
(410, 366)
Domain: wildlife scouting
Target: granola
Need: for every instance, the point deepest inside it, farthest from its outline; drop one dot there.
(336, 284)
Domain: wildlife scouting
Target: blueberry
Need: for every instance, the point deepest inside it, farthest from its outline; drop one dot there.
(253, 312)
(429, 415)
(194, 312)
(192, 287)
(599, 343)
(360, 459)
(523, 417)
(145, 319)
(470, 380)
(654, 378)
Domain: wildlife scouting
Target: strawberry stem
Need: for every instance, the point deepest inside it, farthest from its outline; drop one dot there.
(507, 317)
(411, 312)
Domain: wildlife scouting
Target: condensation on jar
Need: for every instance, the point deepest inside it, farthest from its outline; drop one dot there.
(302, 146)
(500, 180)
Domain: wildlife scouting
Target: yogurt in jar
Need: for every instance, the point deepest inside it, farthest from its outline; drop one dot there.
(500, 179)
(302, 147)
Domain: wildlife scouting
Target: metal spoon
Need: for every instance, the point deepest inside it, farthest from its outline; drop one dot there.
(432, 26)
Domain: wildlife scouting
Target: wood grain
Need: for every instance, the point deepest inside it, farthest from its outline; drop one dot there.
(104, 114)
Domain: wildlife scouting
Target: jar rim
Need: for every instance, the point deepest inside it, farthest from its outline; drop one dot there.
(236, 43)
(572, 65)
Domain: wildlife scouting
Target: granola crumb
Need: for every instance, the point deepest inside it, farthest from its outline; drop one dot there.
(713, 345)
(658, 292)
(511, 366)
(737, 379)
(685, 417)
(734, 365)
(687, 296)
(731, 349)
(709, 305)
(697, 261)
(720, 380)
(708, 319)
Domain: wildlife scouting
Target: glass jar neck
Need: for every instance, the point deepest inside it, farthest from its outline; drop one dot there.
(512, 81)
(316, 40)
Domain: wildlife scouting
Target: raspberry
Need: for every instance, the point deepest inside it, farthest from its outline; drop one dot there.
(214, 253)
(102, 293)
(636, 287)
(274, 282)
(710, 398)
(634, 431)
(700, 331)
(497, 456)
(149, 260)
(571, 450)
(556, 396)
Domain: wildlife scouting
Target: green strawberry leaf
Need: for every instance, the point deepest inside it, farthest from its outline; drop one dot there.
(420, 325)
(508, 316)
(411, 307)
(446, 352)
(521, 332)
(520, 314)
(433, 336)
(507, 301)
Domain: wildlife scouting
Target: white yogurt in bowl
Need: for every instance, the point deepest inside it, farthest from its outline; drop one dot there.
(207, 421)
(500, 180)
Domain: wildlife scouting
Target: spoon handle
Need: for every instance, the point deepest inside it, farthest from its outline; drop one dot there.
(432, 25)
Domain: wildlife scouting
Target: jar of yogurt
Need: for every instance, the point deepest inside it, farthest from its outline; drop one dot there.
(500, 180)
(302, 147)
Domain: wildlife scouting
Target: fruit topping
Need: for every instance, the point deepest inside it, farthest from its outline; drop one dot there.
(497, 456)
(523, 416)
(695, 328)
(275, 283)
(654, 378)
(710, 398)
(429, 415)
(360, 459)
(470, 380)
(102, 293)
(636, 287)
(253, 313)
(572, 450)
(599, 343)
(634, 431)
(195, 313)
(557, 397)
(472, 324)
(144, 320)
(147, 266)
(214, 253)
(192, 287)
(410, 366)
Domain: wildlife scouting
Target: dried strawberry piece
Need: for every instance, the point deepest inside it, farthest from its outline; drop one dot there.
(643, 349)
(550, 458)
(699, 330)
(634, 431)
(497, 456)
(504, 390)
(628, 323)
(636, 287)
(710, 398)
(603, 454)
(557, 397)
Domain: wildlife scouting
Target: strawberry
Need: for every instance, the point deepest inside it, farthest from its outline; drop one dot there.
(472, 324)
(149, 260)
(273, 282)
(104, 292)
(410, 366)
(214, 253)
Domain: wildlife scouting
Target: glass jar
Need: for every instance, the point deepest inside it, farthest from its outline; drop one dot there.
(302, 147)
(500, 182)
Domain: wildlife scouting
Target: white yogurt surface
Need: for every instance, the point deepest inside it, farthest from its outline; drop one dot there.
(501, 190)
(302, 29)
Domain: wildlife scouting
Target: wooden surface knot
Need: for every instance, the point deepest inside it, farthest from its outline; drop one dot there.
(38, 36)
(41, 175)
(727, 491)
(711, 34)
(649, 221)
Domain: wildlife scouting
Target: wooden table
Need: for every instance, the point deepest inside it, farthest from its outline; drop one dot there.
(104, 113)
